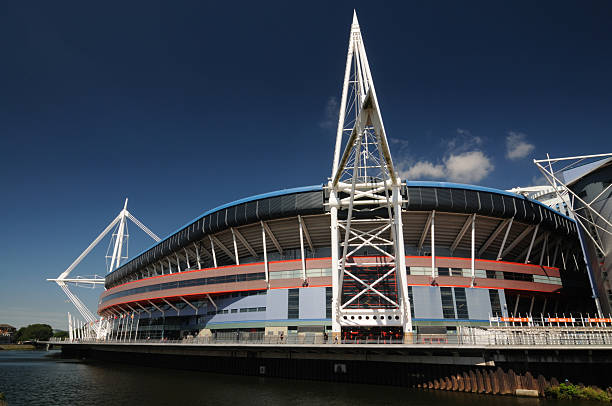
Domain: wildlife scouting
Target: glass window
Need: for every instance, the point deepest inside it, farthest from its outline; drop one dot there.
(456, 272)
(328, 303)
(461, 302)
(448, 307)
(443, 272)
(495, 302)
(293, 304)
(411, 297)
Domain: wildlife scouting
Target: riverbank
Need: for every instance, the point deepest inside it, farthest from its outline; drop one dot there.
(33, 377)
(16, 347)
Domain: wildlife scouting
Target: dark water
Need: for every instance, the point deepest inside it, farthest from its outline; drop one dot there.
(43, 378)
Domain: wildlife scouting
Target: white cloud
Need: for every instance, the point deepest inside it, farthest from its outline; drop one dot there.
(424, 169)
(330, 119)
(467, 167)
(517, 146)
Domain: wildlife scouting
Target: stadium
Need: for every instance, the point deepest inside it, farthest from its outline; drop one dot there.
(263, 265)
(363, 255)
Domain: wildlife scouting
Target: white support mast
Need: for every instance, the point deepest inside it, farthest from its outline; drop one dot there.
(120, 239)
(590, 219)
(365, 204)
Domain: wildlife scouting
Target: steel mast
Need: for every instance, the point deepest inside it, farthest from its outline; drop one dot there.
(365, 204)
(591, 221)
(119, 224)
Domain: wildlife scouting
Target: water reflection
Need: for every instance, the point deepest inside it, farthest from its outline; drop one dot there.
(43, 378)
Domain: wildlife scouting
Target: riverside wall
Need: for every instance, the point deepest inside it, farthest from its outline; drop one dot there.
(505, 370)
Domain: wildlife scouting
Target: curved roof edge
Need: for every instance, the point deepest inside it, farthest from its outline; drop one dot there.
(312, 188)
(418, 183)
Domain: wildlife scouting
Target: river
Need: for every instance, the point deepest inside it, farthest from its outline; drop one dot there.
(44, 378)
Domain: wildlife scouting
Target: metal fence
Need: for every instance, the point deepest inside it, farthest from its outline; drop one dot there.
(465, 336)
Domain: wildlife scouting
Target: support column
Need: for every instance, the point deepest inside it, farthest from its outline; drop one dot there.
(212, 248)
(187, 258)
(70, 331)
(533, 237)
(473, 249)
(265, 253)
(433, 245)
(302, 249)
(197, 255)
(400, 263)
(235, 246)
(336, 294)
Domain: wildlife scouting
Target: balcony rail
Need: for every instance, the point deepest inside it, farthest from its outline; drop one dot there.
(534, 337)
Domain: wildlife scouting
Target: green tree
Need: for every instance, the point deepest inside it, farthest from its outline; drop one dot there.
(60, 334)
(41, 332)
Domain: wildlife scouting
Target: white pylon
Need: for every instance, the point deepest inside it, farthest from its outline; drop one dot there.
(590, 221)
(365, 205)
(62, 280)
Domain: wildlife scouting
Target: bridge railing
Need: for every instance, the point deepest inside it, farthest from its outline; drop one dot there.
(465, 336)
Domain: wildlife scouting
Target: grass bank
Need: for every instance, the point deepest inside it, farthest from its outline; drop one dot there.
(16, 347)
(570, 392)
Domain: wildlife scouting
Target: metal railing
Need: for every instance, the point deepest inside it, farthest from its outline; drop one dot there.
(466, 336)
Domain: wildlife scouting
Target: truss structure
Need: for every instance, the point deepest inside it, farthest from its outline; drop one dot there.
(368, 262)
(591, 222)
(119, 238)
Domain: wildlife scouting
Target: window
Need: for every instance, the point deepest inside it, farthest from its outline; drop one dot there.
(495, 302)
(448, 307)
(411, 297)
(456, 272)
(293, 304)
(515, 276)
(234, 310)
(443, 271)
(461, 302)
(328, 302)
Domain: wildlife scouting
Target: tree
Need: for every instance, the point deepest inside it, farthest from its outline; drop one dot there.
(60, 334)
(41, 332)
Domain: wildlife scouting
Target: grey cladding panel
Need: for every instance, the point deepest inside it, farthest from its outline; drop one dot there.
(497, 205)
(250, 212)
(414, 198)
(309, 203)
(287, 205)
(472, 201)
(445, 202)
(459, 200)
(486, 203)
(428, 198)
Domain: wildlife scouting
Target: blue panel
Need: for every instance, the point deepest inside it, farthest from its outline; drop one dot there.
(478, 302)
(312, 303)
(276, 304)
(427, 302)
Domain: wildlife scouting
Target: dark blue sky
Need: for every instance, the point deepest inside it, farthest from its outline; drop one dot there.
(182, 106)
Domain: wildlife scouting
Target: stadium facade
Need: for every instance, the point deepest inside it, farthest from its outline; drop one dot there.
(263, 264)
(363, 255)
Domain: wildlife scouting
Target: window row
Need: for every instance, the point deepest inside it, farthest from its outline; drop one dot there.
(242, 310)
(297, 273)
(189, 283)
(482, 273)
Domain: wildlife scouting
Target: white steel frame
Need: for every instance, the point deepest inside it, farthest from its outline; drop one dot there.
(581, 215)
(119, 224)
(364, 178)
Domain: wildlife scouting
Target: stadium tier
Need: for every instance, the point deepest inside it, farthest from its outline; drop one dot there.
(263, 265)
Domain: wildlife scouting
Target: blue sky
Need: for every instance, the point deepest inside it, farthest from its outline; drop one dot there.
(182, 107)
